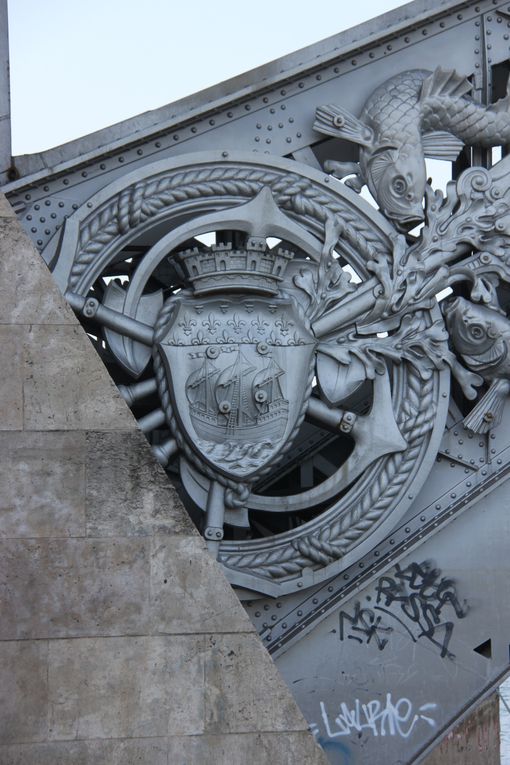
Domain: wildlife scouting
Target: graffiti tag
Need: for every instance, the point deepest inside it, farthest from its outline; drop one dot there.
(378, 718)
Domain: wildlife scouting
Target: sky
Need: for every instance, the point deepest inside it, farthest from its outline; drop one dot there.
(80, 65)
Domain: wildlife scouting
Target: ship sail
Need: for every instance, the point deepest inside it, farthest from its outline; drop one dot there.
(230, 387)
(268, 381)
(200, 386)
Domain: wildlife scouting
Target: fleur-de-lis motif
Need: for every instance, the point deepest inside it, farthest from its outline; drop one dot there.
(187, 324)
(199, 339)
(211, 324)
(284, 325)
(236, 323)
(225, 337)
(260, 324)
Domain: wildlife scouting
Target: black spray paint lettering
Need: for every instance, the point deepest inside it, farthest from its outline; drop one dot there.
(416, 598)
(380, 719)
(365, 625)
(422, 595)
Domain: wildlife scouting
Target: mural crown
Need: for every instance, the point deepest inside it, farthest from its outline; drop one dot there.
(253, 268)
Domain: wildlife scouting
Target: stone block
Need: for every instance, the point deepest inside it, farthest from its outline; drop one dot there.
(23, 691)
(11, 379)
(128, 493)
(244, 691)
(126, 687)
(182, 575)
(289, 748)
(43, 484)
(28, 294)
(66, 386)
(123, 752)
(74, 587)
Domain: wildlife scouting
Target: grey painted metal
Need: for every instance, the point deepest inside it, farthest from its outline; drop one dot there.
(369, 542)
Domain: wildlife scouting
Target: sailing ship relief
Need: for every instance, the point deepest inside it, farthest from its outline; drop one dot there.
(238, 371)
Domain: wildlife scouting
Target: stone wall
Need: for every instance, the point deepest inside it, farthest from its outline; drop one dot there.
(475, 741)
(120, 639)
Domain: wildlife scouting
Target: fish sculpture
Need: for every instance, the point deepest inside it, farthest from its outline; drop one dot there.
(414, 115)
(481, 336)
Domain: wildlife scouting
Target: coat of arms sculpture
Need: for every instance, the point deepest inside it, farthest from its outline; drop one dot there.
(276, 306)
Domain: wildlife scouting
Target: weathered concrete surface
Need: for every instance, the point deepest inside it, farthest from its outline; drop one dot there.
(120, 639)
(474, 742)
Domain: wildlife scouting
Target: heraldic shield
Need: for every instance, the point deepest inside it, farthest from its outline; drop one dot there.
(239, 374)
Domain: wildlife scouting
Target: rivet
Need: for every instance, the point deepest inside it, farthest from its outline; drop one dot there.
(318, 77)
(283, 107)
(407, 529)
(229, 114)
(288, 140)
(468, 483)
(300, 613)
(423, 518)
(121, 159)
(298, 135)
(484, 472)
(89, 204)
(47, 231)
(257, 138)
(330, 588)
(28, 196)
(212, 122)
(362, 565)
(139, 152)
(315, 601)
(257, 614)
(273, 618)
(258, 126)
(336, 69)
(265, 99)
(29, 217)
(193, 130)
(346, 576)
(291, 119)
(424, 32)
(33, 230)
(269, 127)
(389, 47)
(371, 54)
(392, 541)
(284, 625)
(39, 242)
(280, 124)
(453, 495)
(272, 110)
(102, 166)
(459, 16)
(37, 207)
(60, 204)
(442, 24)
(84, 174)
(300, 584)
(75, 206)
(224, 154)
(377, 553)
(354, 62)
(499, 462)
(46, 188)
(301, 85)
(268, 140)
(278, 605)
(406, 39)
(247, 107)
(42, 219)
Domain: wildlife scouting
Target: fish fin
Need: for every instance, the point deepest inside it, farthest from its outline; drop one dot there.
(355, 183)
(445, 83)
(441, 145)
(379, 161)
(341, 169)
(336, 121)
(488, 412)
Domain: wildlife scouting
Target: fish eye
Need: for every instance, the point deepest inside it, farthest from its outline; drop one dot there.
(399, 185)
(476, 331)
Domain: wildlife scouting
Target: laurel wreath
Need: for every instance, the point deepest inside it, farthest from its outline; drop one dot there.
(176, 191)
(335, 539)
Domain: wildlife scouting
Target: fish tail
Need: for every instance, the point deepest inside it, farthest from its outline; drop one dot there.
(336, 121)
(445, 83)
(488, 412)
